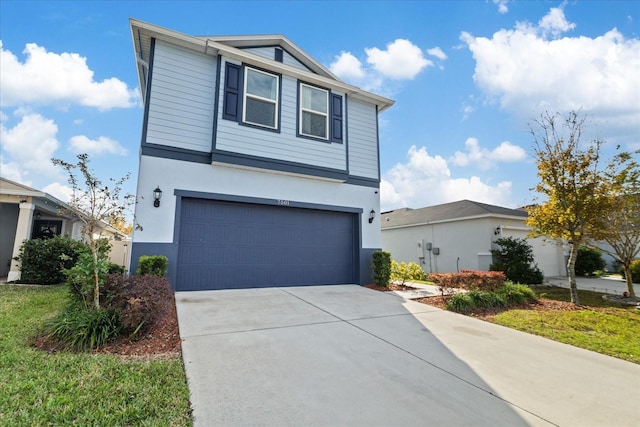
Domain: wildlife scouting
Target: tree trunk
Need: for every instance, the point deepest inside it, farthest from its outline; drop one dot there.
(571, 270)
(629, 280)
(96, 282)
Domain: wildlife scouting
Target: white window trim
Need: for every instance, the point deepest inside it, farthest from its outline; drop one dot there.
(246, 95)
(319, 113)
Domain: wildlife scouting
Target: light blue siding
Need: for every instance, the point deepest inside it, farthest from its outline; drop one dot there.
(283, 145)
(269, 53)
(182, 97)
(363, 139)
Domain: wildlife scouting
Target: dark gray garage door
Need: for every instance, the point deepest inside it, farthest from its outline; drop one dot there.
(226, 245)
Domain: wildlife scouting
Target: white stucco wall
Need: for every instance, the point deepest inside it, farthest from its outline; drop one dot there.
(466, 244)
(170, 175)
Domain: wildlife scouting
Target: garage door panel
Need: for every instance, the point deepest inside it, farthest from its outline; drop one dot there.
(239, 245)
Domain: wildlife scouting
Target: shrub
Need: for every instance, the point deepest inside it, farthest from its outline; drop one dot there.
(381, 268)
(515, 294)
(589, 261)
(81, 280)
(43, 261)
(140, 301)
(460, 303)
(507, 295)
(82, 328)
(113, 268)
(155, 265)
(468, 279)
(483, 299)
(403, 272)
(515, 258)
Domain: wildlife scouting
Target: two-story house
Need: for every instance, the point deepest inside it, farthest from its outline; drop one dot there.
(267, 163)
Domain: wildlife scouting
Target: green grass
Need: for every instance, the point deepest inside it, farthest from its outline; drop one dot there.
(609, 330)
(66, 388)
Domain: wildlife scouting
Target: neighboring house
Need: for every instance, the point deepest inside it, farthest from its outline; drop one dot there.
(267, 163)
(26, 213)
(460, 235)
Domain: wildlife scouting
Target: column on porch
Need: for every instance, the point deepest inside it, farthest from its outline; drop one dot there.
(23, 232)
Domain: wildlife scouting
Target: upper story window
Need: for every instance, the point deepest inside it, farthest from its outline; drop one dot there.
(261, 91)
(251, 96)
(314, 111)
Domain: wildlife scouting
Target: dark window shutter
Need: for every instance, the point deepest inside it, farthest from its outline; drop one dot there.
(336, 118)
(231, 92)
(279, 55)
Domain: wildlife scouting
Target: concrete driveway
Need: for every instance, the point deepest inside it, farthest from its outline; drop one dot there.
(350, 356)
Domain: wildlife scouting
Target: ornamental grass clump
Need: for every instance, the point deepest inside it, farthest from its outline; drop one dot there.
(509, 294)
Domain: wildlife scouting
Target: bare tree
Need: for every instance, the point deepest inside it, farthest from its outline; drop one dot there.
(622, 231)
(95, 205)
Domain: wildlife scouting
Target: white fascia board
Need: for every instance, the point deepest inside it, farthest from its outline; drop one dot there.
(212, 47)
(25, 193)
(466, 218)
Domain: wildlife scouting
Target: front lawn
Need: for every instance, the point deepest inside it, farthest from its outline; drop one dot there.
(598, 326)
(64, 388)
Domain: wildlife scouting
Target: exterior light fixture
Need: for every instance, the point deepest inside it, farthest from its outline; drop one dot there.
(497, 230)
(372, 215)
(38, 216)
(157, 194)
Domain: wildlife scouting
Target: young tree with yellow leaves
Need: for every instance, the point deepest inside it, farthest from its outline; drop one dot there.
(573, 183)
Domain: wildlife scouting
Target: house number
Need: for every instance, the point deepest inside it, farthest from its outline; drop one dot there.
(284, 202)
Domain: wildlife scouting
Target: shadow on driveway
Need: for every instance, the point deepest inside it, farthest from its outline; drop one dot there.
(346, 355)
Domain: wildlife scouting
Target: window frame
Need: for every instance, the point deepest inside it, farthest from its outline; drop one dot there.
(275, 102)
(302, 110)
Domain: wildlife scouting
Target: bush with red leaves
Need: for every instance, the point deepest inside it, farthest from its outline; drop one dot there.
(468, 279)
(138, 300)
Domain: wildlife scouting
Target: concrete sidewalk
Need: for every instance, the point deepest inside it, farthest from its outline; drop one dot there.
(347, 355)
(614, 284)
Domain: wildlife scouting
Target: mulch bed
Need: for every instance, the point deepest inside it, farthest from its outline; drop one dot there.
(391, 287)
(161, 342)
(488, 314)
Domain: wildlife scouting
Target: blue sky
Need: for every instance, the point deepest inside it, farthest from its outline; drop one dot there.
(468, 77)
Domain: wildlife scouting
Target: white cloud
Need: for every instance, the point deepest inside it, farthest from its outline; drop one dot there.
(437, 52)
(527, 74)
(401, 60)
(555, 23)
(347, 66)
(30, 144)
(13, 172)
(58, 79)
(502, 6)
(506, 152)
(82, 144)
(59, 191)
(425, 180)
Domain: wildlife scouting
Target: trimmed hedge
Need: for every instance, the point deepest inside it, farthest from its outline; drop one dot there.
(381, 268)
(155, 265)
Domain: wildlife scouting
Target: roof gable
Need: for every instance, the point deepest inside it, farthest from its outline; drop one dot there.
(237, 48)
(270, 40)
(463, 209)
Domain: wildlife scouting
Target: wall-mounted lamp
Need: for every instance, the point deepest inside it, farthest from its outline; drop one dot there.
(497, 230)
(157, 194)
(38, 216)
(372, 215)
